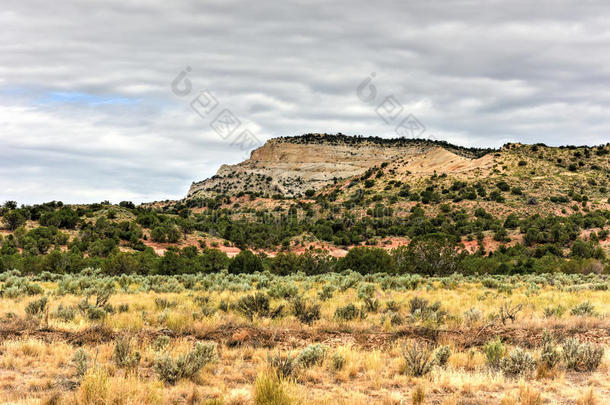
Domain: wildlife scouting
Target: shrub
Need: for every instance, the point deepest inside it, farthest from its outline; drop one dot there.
(158, 234)
(311, 355)
(420, 308)
(417, 359)
(185, 366)
(550, 356)
(162, 303)
(283, 290)
(494, 351)
(392, 306)
(283, 365)
(245, 262)
(36, 307)
(518, 362)
(557, 311)
(81, 362)
(582, 356)
(418, 304)
(366, 293)
(442, 355)
(367, 260)
(326, 292)
(304, 312)
(123, 308)
(396, 319)
(257, 305)
(14, 219)
(583, 309)
(502, 185)
(337, 362)
(347, 312)
(161, 343)
(95, 314)
(168, 369)
(66, 314)
(123, 357)
(430, 254)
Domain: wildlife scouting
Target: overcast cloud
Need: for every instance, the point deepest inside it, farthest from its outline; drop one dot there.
(87, 112)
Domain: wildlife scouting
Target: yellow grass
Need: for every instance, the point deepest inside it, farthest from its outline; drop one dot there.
(37, 367)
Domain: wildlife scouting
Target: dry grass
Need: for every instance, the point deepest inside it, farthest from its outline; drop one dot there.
(361, 365)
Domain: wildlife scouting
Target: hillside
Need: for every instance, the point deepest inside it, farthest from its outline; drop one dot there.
(326, 194)
(515, 178)
(290, 166)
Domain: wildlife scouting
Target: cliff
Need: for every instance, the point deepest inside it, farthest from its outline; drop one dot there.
(291, 165)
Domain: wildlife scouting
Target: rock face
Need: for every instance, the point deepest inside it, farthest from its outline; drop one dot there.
(291, 165)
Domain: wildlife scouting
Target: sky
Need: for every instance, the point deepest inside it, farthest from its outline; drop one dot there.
(134, 100)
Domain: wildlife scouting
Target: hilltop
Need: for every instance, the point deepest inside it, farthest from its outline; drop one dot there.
(290, 166)
(365, 170)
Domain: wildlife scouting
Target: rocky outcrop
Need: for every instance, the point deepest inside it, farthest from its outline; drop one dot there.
(291, 165)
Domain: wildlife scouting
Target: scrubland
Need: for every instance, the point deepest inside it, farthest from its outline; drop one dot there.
(334, 338)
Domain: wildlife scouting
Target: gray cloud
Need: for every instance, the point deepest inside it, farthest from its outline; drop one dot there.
(86, 111)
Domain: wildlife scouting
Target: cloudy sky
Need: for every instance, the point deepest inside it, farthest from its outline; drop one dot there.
(88, 111)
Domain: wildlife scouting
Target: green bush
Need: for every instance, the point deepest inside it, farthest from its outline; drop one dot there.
(550, 312)
(337, 362)
(257, 305)
(163, 303)
(502, 185)
(161, 343)
(81, 362)
(304, 312)
(347, 312)
(417, 359)
(582, 356)
(186, 366)
(583, 309)
(36, 307)
(367, 260)
(66, 314)
(245, 262)
(430, 254)
(366, 293)
(442, 355)
(550, 355)
(420, 308)
(494, 352)
(311, 355)
(283, 365)
(95, 314)
(518, 362)
(285, 290)
(326, 292)
(392, 306)
(123, 357)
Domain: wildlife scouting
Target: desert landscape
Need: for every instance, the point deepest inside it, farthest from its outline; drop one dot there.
(438, 275)
(227, 202)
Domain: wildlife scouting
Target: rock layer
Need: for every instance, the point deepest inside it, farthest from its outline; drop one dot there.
(291, 165)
